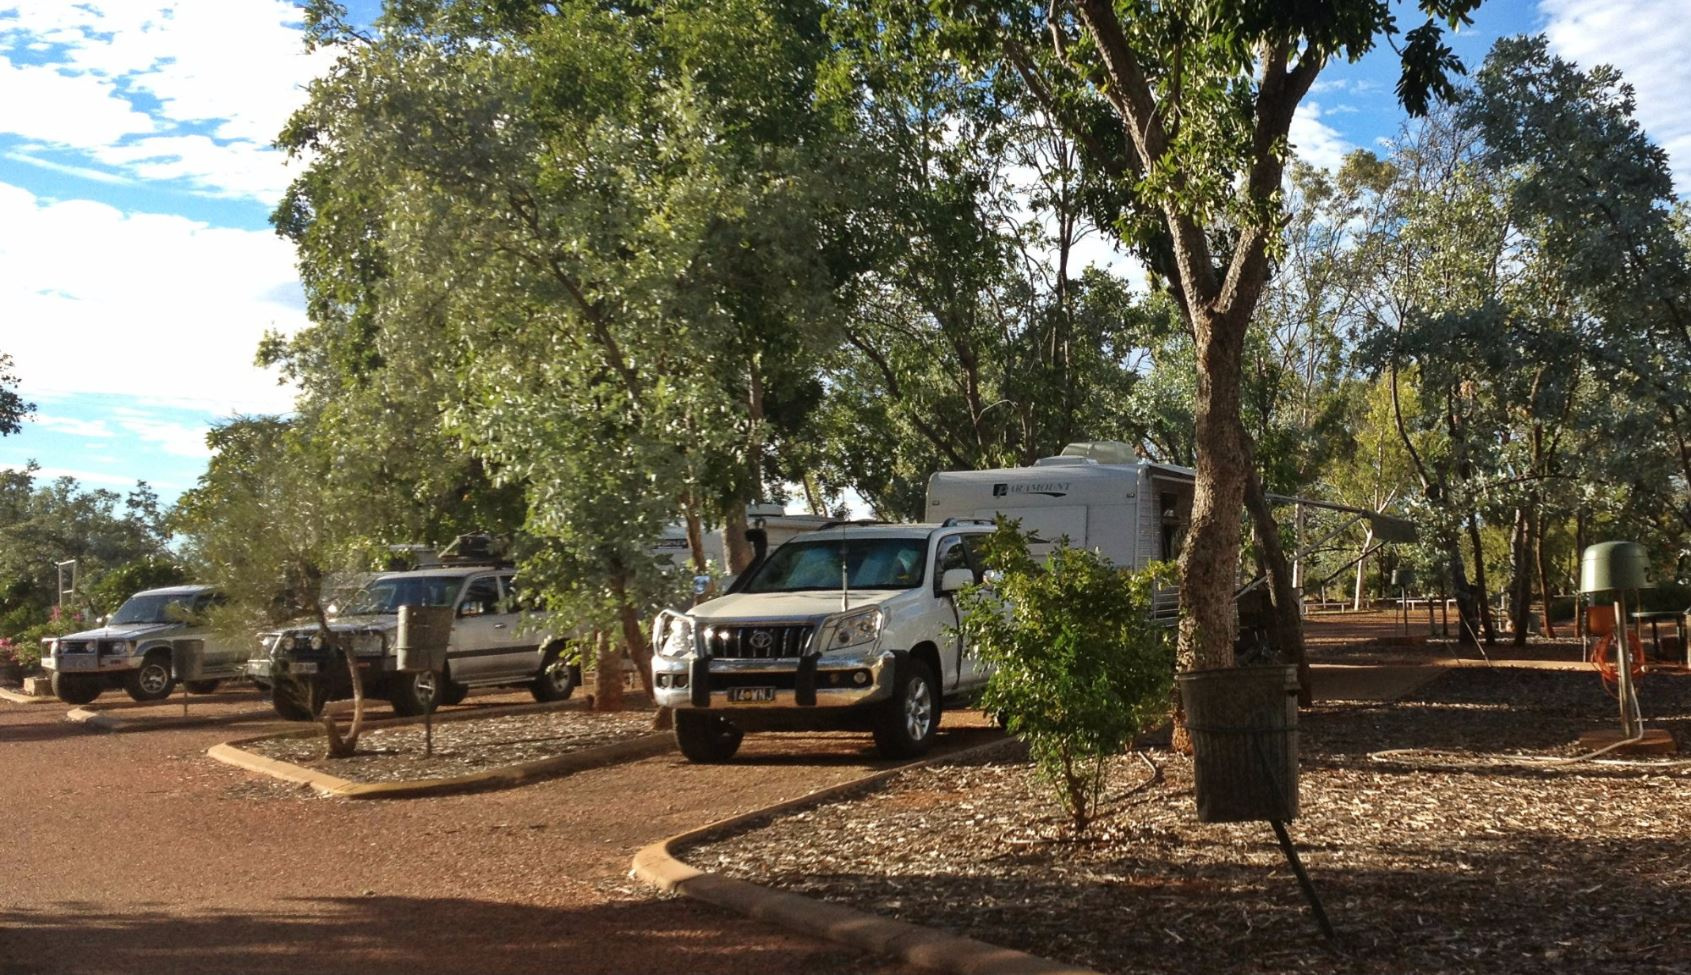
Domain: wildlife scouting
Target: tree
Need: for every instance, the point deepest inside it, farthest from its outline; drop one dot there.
(13, 409)
(614, 231)
(1200, 110)
(42, 524)
(269, 524)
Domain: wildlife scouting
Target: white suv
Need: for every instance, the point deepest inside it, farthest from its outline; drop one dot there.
(852, 626)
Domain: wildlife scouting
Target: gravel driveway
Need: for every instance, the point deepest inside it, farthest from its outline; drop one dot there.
(137, 853)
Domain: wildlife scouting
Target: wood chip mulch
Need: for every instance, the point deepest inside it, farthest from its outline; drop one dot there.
(1463, 849)
(462, 746)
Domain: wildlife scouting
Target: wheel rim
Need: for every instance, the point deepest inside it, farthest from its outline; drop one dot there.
(427, 687)
(558, 675)
(918, 710)
(154, 678)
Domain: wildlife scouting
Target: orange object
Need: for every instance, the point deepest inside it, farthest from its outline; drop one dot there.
(1600, 620)
(1610, 669)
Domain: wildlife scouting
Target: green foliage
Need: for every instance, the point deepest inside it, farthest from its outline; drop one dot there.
(42, 524)
(1079, 668)
(152, 572)
(12, 406)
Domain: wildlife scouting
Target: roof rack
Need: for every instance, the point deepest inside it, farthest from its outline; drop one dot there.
(955, 521)
(843, 522)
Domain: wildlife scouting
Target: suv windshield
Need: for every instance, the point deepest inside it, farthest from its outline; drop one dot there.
(158, 608)
(871, 563)
(387, 595)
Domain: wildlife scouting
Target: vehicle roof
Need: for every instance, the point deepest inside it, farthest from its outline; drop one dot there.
(449, 570)
(915, 530)
(175, 591)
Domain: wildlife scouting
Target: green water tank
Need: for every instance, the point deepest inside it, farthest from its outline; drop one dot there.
(1612, 566)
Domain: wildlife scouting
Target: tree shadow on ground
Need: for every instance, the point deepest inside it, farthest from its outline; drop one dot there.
(1528, 903)
(408, 936)
(1501, 710)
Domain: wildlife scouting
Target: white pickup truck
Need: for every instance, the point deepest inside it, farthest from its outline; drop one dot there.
(850, 626)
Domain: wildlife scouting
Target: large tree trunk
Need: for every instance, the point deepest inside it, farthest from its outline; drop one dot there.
(1209, 561)
(1543, 571)
(1520, 585)
(607, 673)
(734, 537)
(1482, 594)
(1282, 594)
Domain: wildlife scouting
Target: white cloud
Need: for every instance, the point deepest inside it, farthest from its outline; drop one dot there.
(72, 426)
(1647, 40)
(1314, 141)
(214, 80)
(148, 305)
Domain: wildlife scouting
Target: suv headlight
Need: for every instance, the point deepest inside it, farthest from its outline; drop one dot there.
(123, 647)
(677, 637)
(855, 630)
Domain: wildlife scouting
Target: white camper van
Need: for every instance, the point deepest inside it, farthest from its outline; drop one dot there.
(1095, 493)
(778, 523)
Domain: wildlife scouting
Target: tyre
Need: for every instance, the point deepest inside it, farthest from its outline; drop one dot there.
(452, 692)
(705, 737)
(298, 700)
(556, 680)
(414, 694)
(152, 681)
(906, 724)
(76, 688)
(202, 686)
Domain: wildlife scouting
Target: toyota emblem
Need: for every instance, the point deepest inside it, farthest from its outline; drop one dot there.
(761, 639)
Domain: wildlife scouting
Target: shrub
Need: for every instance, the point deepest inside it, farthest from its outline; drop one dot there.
(1078, 667)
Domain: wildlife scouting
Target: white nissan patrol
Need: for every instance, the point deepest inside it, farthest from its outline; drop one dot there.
(850, 626)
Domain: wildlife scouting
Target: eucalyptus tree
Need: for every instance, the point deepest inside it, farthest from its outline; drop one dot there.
(1185, 112)
(1597, 195)
(605, 241)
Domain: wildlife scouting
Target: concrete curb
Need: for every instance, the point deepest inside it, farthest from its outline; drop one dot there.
(102, 720)
(7, 694)
(231, 753)
(920, 946)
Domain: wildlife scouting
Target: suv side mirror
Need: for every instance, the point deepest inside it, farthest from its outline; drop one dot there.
(955, 579)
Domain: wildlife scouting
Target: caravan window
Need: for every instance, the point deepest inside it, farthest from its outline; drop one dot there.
(871, 563)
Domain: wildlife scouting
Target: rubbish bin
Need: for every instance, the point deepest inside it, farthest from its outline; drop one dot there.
(423, 635)
(188, 660)
(1243, 722)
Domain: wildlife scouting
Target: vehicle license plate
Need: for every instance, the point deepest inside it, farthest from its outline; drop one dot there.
(306, 667)
(743, 694)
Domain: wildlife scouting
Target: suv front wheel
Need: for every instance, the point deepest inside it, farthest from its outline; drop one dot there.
(704, 737)
(76, 688)
(152, 681)
(908, 722)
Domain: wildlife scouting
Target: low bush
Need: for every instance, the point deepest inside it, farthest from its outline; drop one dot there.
(1078, 667)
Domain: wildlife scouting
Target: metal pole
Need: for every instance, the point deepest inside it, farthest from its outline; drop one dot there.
(1623, 656)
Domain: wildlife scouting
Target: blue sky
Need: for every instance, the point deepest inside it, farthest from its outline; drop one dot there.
(138, 271)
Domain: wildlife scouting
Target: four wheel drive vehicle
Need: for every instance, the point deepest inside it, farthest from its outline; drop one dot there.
(152, 637)
(852, 626)
(493, 643)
